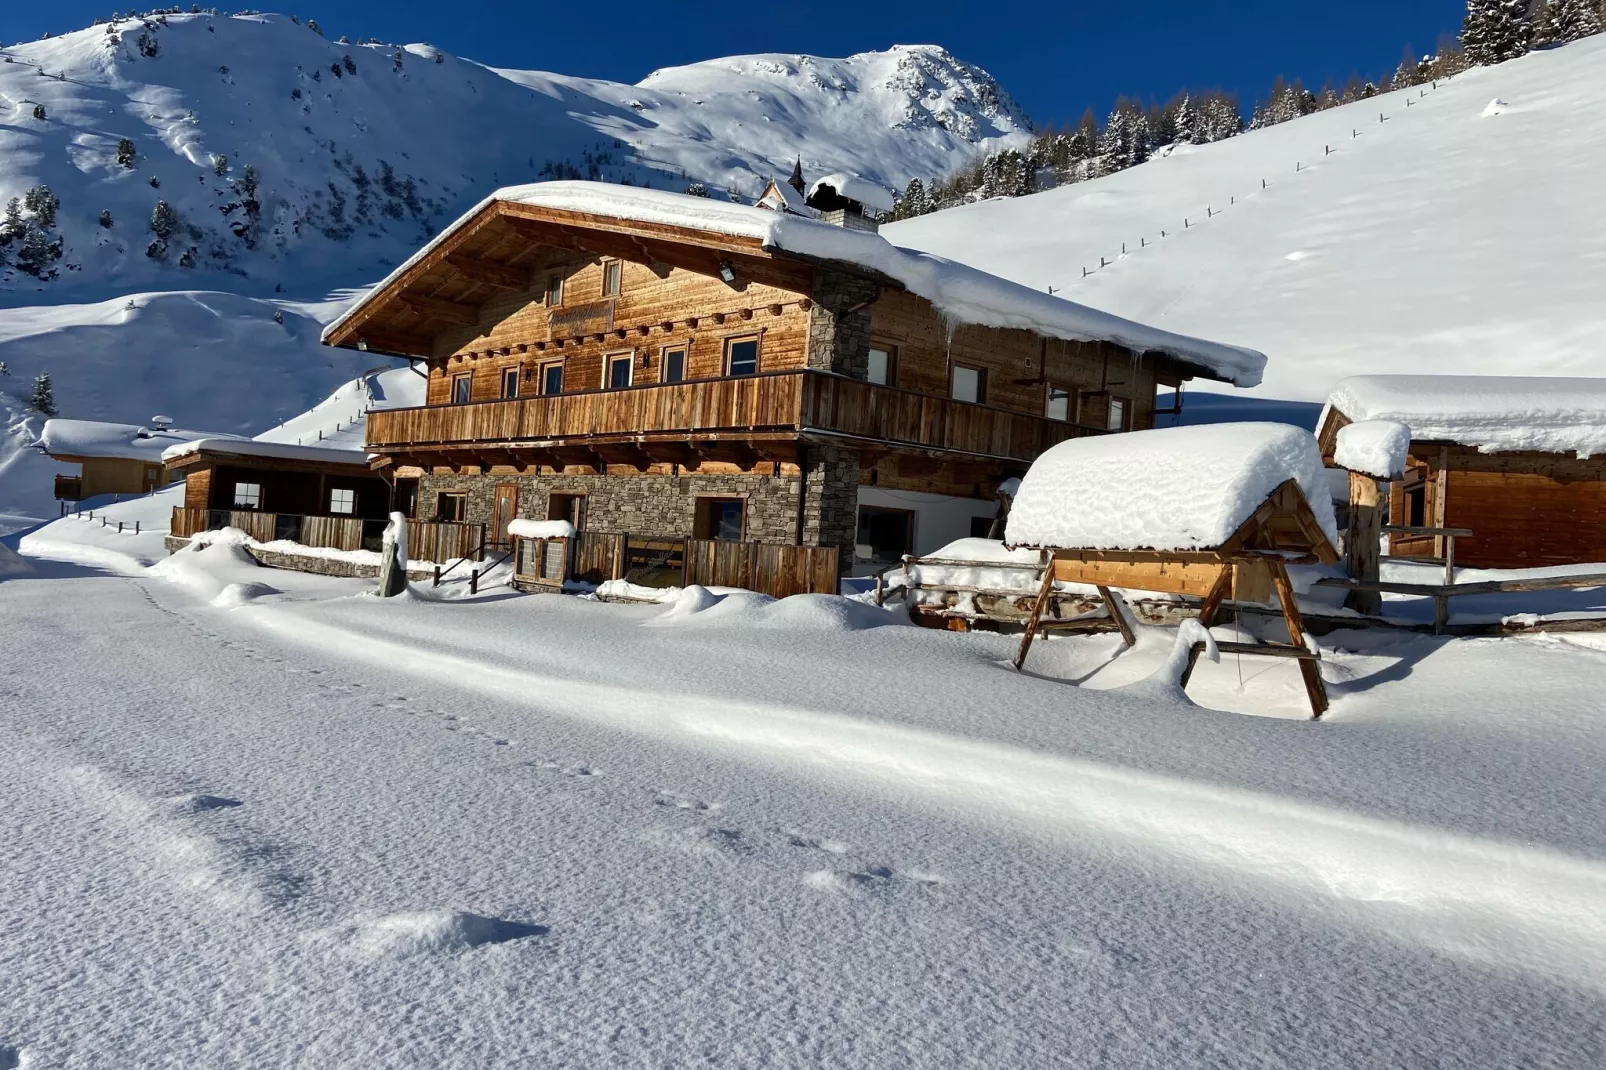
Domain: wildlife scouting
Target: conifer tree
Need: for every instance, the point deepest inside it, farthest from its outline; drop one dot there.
(125, 153)
(1496, 30)
(44, 397)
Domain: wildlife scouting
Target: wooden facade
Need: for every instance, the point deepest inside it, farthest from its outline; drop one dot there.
(1524, 509)
(560, 345)
(108, 475)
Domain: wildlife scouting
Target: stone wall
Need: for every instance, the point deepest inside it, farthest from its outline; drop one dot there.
(654, 504)
(839, 339)
(315, 563)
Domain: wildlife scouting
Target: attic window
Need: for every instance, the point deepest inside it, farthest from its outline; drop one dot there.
(612, 275)
(554, 291)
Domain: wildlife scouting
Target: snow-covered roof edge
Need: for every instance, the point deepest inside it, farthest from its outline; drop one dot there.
(282, 451)
(103, 439)
(1490, 413)
(963, 294)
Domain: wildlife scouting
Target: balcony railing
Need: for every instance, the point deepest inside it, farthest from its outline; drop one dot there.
(438, 541)
(774, 403)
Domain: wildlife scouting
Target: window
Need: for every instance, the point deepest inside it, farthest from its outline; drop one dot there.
(720, 518)
(510, 382)
(741, 356)
(570, 507)
(674, 365)
(612, 274)
(885, 535)
(462, 389)
(554, 291)
(981, 527)
(1117, 415)
(1058, 406)
(970, 384)
(552, 378)
(451, 506)
(616, 370)
(883, 366)
(248, 495)
(342, 501)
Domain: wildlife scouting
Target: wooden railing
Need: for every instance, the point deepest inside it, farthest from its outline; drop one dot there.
(779, 570)
(426, 540)
(790, 401)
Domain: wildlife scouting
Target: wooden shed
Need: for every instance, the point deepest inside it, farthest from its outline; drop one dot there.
(113, 458)
(1519, 462)
(1215, 513)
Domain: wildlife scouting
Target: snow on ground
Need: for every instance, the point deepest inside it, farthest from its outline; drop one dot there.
(313, 827)
(1442, 240)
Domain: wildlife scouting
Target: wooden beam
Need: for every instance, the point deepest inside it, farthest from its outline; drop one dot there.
(490, 273)
(386, 342)
(450, 311)
(1361, 542)
(1037, 615)
(1315, 689)
(1112, 604)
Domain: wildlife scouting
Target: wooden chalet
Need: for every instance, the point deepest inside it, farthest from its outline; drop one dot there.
(278, 491)
(1511, 468)
(636, 361)
(113, 458)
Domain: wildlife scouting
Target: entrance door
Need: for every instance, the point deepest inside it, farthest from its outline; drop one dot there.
(507, 507)
(885, 535)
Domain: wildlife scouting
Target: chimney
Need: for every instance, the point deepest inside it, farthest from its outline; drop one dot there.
(837, 200)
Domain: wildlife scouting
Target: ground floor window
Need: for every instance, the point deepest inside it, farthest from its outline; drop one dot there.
(407, 497)
(451, 506)
(883, 367)
(248, 495)
(342, 501)
(720, 518)
(884, 535)
(1117, 415)
(969, 384)
(570, 507)
(1058, 406)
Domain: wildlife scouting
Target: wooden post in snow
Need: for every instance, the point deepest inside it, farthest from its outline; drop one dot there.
(1361, 541)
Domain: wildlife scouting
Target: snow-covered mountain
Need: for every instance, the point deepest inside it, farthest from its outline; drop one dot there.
(1465, 233)
(357, 151)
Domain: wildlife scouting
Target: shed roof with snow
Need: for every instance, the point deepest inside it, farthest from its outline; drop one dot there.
(962, 294)
(84, 440)
(1489, 413)
(250, 449)
(1172, 489)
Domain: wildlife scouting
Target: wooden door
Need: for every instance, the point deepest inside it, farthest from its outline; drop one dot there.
(507, 507)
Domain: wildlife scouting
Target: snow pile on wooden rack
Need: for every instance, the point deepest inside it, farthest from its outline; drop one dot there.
(1179, 488)
(1494, 413)
(1374, 447)
(855, 188)
(963, 294)
(540, 529)
(279, 451)
(99, 438)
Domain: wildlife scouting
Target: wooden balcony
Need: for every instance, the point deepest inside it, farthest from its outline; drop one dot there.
(761, 411)
(69, 488)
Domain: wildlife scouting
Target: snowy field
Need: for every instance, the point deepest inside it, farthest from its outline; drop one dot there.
(260, 818)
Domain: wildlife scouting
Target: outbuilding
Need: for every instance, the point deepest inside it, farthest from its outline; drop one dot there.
(113, 458)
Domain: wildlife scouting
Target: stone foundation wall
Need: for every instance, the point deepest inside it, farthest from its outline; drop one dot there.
(316, 564)
(652, 504)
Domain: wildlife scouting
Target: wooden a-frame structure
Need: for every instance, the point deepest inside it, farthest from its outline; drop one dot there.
(1247, 567)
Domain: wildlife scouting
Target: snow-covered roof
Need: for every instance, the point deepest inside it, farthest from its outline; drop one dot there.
(128, 442)
(788, 198)
(1492, 413)
(1373, 447)
(1177, 488)
(854, 188)
(963, 294)
(280, 451)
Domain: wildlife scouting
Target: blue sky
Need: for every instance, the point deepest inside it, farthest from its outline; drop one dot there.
(1055, 59)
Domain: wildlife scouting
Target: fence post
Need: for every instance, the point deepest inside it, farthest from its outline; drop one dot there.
(136, 527)
(119, 527)
(437, 582)
(474, 581)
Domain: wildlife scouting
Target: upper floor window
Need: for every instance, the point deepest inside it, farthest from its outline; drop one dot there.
(612, 276)
(342, 500)
(969, 384)
(248, 495)
(510, 383)
(552, 378)
(554, 291)
(462, 389)
(616, 370)
(674, 370)
(1117, 415)
(741, 355)
(883, 365)
(1058, 405)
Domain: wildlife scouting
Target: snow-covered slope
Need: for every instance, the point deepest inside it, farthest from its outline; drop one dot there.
(1459, 236)
(210, 360)
(361, 150)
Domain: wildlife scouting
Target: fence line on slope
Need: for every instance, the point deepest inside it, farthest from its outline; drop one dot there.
(1211, 211)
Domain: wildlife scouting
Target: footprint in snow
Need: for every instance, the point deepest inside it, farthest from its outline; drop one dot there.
(871, 880)
(198, 804)
(559, 767)
(798, 838)
(683, 802)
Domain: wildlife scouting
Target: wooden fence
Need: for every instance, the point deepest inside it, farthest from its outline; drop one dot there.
(426, 540)
(775, 569)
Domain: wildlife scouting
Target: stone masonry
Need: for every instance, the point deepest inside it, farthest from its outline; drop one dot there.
(839, 339)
